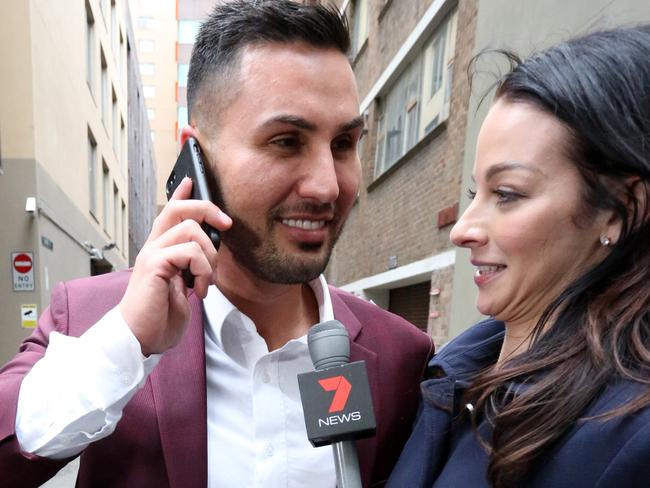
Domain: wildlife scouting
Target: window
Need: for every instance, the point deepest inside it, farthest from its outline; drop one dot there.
(122, 69)
(146, 22)
(104, 93)
(92, 173)
(123, 146)
(115, 119)
(147, 69)
(151, 114)
(149, 91)
(187, 31)
(146, 46)
(183, 70)
(418, 101)
(116, 215)
(103, 4)
(182, 117)
(437, 67)
(105, 195)
(114, 29)
(90, 47)
(124, 232)
(359, 24)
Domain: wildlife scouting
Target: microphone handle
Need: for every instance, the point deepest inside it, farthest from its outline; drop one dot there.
(346, 462)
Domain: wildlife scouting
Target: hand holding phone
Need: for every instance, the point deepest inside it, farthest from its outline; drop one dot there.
(156, 305)
(190, 163)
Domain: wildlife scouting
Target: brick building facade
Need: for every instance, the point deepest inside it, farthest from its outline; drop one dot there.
(410, 58)
(395, 248)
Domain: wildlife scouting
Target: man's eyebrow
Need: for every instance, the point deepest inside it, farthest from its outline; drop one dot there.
(291, 120)
(510, 165)
(353, 124)
(302, 123)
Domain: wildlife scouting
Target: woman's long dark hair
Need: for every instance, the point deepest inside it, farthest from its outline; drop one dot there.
(598, 330)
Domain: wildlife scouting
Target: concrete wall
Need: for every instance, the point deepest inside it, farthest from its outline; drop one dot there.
(18, 235)
(523, 26)
(164, 35)
(47, 108)
(143, 187)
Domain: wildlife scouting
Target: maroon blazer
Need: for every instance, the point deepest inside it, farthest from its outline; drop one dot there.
(161, 439)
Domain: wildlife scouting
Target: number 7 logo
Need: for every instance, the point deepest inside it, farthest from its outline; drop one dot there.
(342, 388)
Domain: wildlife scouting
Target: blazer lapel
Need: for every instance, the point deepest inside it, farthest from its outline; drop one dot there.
(366, 448)
(179, 391)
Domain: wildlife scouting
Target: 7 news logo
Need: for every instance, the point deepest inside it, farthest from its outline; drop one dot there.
(341, 388)
(337, 403)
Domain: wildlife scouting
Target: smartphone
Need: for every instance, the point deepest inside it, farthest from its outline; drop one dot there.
(190, 163)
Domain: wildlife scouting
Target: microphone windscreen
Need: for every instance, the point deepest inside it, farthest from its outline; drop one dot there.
(329, 344)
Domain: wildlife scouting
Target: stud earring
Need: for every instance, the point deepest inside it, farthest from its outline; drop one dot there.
(605, 241)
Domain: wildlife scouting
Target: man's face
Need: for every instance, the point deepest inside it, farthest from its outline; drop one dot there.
(285, 154)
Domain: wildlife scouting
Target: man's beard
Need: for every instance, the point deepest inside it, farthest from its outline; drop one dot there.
(264, 258)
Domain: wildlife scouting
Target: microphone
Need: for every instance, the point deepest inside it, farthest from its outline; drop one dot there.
(346, 415)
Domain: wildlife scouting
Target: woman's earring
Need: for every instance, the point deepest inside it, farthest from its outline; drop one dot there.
(605, 241)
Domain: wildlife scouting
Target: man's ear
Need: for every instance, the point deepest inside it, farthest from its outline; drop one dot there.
(188, 131)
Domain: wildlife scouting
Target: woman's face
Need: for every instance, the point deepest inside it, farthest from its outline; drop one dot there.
(525, 227)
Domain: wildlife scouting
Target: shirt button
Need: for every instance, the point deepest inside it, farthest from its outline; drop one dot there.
(269, 450)
(126, 379)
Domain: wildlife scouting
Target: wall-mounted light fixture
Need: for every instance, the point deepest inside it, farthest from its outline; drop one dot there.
(30, 205)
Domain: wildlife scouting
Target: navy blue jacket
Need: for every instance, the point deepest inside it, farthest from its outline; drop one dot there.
(443, 450)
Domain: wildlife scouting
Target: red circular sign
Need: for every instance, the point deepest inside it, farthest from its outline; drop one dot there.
(23, 263)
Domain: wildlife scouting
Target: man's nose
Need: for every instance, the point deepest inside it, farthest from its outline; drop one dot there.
(318, 178)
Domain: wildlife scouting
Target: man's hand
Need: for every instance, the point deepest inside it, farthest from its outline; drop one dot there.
(155, 304)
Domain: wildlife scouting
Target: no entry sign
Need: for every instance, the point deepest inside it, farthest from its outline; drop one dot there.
(22, 267)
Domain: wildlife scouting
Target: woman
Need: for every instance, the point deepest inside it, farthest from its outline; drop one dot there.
(554, 390)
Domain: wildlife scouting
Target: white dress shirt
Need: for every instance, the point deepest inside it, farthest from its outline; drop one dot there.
(75, 395)
(256, 429)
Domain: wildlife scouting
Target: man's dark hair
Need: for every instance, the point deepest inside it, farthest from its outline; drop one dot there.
(236, 24)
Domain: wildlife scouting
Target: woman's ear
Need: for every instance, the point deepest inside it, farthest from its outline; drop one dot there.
(638, 201)
(612, 230)
(636, 197)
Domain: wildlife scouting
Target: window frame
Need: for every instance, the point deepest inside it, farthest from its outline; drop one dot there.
(92, 174)
(405, 107)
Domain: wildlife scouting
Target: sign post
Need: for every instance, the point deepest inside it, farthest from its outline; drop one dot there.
(22, 267)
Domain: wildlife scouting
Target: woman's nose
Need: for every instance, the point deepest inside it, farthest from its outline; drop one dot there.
(470, 230)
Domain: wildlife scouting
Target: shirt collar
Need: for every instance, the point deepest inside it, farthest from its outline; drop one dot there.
(218, 310)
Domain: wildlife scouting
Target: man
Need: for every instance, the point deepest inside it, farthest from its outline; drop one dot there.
(173, 387)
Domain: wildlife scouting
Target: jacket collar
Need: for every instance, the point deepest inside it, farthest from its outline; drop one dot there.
(451, 369)
(367, 450)
(179, 392)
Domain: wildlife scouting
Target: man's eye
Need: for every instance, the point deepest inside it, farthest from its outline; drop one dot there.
(343, 144)
(286, 142)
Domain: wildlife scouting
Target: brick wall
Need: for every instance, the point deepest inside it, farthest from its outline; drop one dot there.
(397, 215)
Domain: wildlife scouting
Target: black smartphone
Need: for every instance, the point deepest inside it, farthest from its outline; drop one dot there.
(190, 163)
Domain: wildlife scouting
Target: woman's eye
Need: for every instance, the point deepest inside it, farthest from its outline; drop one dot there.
(506, 196)
(471, 194)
